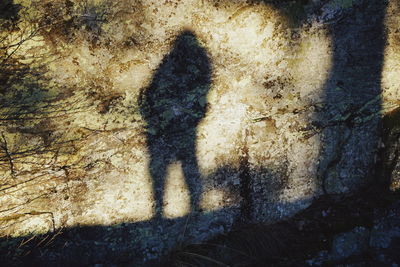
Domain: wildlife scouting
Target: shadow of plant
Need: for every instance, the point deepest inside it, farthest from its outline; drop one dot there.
(34, 141)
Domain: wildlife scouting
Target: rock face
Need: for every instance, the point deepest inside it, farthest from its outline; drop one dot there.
(351, 243)
(359, 230)
(352, 96)
(132, 128)
(391, 150)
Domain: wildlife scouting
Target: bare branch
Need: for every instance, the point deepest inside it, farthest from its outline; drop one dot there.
(4, 146)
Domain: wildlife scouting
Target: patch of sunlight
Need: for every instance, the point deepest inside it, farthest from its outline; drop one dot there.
(25, 44)
(121, 195)
(218, 133)
(247, 30)
(213, 200)
(38, 224)
(314, 50)
(176, 193)
(391, 64)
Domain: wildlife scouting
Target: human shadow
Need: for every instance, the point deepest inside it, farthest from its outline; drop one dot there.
(173, 106)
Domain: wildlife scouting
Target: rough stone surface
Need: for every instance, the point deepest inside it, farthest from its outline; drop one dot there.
(391, 149)
(361, 230)
(387, 229)
(350, 243)
(144, 125)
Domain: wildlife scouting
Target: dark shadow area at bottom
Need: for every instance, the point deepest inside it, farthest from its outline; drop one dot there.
(290, 242)
(334, 231)
(128, 244)
(125, 244)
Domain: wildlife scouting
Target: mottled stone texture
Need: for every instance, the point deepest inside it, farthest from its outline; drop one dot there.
(390, 169)
(352, 96)
(140, 126)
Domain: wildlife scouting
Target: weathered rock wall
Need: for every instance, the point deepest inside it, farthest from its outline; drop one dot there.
(287, 108)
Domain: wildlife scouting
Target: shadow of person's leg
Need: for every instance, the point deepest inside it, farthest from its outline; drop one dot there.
(192, 174)
(158, 171)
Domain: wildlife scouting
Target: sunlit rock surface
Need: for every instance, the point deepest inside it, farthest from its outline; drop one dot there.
(295, 97)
